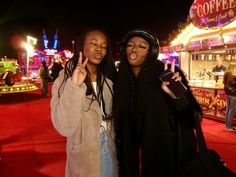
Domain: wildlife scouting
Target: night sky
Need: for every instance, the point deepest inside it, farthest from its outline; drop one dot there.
(21, 18)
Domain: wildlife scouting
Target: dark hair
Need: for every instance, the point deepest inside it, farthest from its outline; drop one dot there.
(146, 35)
(106, 69)
(126, 83)
(44, 64)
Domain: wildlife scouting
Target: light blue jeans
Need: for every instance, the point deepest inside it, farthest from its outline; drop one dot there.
(230, 110)
(108, 166)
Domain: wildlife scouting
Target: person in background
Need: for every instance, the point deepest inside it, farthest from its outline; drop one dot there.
(229, 81)
(147, 114)
(218, 68)
(44, 76)
(55, 68)
(81, 107)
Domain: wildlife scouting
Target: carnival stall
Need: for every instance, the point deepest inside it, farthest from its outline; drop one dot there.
(49, 53)
(209, 34)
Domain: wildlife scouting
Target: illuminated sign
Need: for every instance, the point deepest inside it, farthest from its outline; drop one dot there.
(195, 45)
(50, 51)
(206, 14)
(212, 42)
(165, 49)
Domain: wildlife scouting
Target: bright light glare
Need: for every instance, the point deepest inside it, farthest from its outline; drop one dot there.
(31, 40)
(28, 47)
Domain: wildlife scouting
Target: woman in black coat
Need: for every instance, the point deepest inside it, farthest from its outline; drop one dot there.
(148, 116)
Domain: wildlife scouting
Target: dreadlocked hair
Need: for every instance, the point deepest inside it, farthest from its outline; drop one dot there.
(128, 87)
(132, 92)
(106, 69)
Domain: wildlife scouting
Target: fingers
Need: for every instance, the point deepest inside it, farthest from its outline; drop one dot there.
(80, 61)
(177, 77)
(165, 65)
(85, 62)
(82, 65)
(80, 58)
(173, 66)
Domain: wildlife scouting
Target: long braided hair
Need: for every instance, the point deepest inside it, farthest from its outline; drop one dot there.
(106, 69)
(126, 83)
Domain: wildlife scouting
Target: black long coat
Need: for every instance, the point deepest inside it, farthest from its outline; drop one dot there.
(155, 132)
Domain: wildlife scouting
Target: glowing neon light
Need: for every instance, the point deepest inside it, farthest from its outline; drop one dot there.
(55, 43)
(45, 40)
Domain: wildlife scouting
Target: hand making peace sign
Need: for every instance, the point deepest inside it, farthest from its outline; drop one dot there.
(80, 72)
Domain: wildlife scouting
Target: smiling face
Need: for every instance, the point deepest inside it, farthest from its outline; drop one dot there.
(95, 47)
(136, 51)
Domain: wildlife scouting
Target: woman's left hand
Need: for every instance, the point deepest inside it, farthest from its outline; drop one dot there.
(175, 76)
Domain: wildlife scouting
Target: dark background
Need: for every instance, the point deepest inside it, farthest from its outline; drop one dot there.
(21, 18)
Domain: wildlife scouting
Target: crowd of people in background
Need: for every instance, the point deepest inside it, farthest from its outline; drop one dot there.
(48, 74)
(55, 68)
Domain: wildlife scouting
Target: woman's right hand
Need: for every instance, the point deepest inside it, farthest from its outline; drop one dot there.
(175, 76)
(80, 72)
